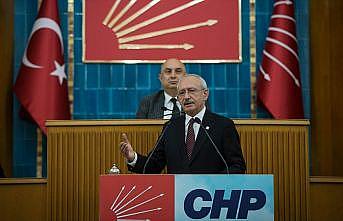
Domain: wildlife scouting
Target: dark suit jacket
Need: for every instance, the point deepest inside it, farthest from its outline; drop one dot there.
(171, 150)
(150, 106)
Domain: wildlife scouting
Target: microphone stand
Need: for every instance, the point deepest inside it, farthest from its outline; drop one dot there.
(155, 146)
(197, 120)
(160, 137)
(167, 109)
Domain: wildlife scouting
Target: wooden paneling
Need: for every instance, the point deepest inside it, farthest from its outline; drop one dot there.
(326, 198)
(6, 57)
(336, 49)
(326, 30)
(78, 154)
(23, 199)
(281, 150)
(79, 151)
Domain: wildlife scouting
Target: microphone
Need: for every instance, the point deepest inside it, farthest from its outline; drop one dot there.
(155, 146)
(197, 120)
(160, 137)
(167, 109)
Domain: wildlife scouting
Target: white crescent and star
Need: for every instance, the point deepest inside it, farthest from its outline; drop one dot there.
(50, 24)
(59, 72)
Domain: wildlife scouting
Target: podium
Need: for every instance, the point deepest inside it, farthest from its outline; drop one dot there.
(186, 197)
(79, 151)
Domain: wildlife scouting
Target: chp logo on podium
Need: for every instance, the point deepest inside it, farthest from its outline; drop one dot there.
(131, 197)
(146, 30)
(186, 197)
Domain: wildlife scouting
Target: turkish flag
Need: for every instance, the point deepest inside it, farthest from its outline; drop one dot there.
(278, 85)
(41, 85)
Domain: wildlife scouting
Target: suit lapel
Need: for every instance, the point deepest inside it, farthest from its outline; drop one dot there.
(202, 137)
(158, 112)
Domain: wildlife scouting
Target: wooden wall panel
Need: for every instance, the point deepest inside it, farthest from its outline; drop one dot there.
(326, 198)
(326, 30)
(281, 150)
(23, 199)
(79, 151)
(336, 61)
(77, 155)
(6, 58)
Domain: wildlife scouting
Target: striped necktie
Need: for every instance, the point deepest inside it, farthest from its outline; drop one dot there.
(176, 111)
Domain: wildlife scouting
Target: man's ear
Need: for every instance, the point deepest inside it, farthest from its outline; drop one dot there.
(206, 94)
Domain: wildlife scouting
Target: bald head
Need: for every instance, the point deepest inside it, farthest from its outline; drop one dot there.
(173, 63)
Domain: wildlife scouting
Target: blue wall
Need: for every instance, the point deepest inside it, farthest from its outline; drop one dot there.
(114, 91)
(103, 91)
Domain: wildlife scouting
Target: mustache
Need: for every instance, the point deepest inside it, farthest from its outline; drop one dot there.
(188, 101)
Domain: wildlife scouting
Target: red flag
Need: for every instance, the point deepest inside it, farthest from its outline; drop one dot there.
(151, 30)
(278, 85)
(41, 85)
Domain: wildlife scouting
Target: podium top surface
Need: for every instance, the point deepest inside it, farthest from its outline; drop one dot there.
(114, 122)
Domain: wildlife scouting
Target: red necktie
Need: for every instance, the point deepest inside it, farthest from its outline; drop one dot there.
(190, 139)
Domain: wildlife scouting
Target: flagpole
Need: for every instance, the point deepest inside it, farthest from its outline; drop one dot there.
(39, 154)
(252, 60)
(71, 55)
(39, 147)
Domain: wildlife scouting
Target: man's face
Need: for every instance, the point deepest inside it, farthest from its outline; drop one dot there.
(192, 95)
(171, 72)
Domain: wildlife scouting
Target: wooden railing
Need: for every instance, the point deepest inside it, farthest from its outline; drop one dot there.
(79, 151)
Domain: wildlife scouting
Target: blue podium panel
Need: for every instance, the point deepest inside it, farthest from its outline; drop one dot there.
(224, 197)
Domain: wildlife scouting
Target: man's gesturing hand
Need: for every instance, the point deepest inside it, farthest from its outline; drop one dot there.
(126, 148)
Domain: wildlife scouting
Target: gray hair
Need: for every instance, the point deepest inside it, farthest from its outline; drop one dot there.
(202, 81)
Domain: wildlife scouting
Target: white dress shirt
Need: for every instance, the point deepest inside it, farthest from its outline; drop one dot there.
(167, 114)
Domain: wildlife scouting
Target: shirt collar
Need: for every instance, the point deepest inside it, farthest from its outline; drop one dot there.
(199, 115)
(167, 98)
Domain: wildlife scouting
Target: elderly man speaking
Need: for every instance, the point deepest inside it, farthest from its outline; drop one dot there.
(199, 142)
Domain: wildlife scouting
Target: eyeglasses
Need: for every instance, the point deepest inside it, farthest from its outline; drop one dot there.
(176, 70)
(190, 91)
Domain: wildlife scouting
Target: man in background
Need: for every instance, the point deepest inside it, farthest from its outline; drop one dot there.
(164, 104)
